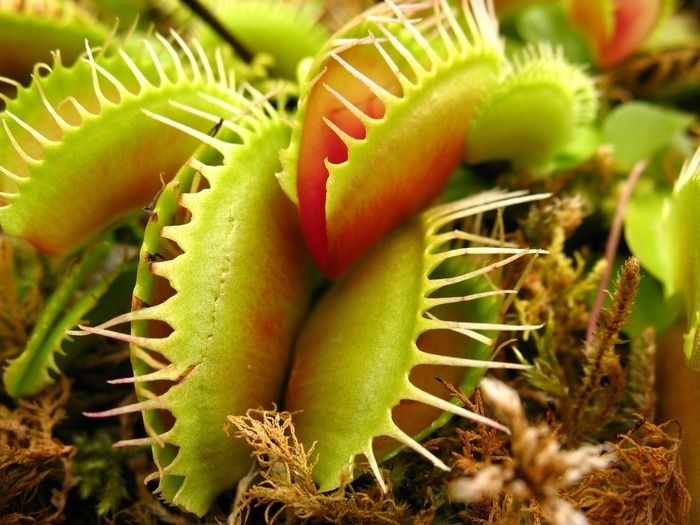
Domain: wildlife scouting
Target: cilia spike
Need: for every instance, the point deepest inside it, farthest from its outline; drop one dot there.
(365, 359)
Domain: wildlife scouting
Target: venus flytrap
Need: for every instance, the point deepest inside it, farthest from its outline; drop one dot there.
(223, 282)
(220, 322)
(95, 107)
(356, 355)
(390, 106)
(535, 111)
(397, 98)
(662, 231)
(640, 131)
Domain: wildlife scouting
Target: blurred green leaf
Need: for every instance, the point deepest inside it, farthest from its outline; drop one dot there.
(639, 130)
(644, 231)
(582, 147)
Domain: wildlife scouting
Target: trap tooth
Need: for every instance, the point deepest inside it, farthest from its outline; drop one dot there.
(148, 343)
(168, 373)
(142, 406)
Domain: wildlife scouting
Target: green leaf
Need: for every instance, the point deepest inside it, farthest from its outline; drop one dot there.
(639, 130)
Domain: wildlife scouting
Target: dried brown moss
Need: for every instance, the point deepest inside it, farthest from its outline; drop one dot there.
(533, 469)
(19, 295)
(556, 293)
(589, 381)
(661, 73)
(34, 466)
(287, 492)
(644, 485)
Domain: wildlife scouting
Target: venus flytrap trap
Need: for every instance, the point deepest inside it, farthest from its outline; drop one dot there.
(397, 98)
(393, 96)
(223, 282)
(356, 355)
(603, 33)
(536, 110)
(96, 107)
